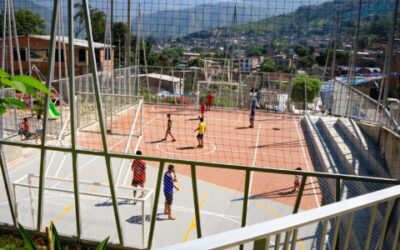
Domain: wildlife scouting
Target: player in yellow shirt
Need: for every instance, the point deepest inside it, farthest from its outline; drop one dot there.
(202, 130)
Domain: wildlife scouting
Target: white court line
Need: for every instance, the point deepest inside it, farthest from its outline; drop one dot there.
(307, 165)
(255, 156)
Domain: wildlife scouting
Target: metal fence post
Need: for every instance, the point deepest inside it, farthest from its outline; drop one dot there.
(46, 112)
(245, 200)
(196, 200)
(96, 88)
(156, 199)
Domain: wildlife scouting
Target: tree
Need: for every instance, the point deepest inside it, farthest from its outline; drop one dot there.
(196, 62)
(119, 31)
(98, 19)
(27, 23)
(306, 62)
(300, 50)
(312, 85)
(268, 65)
(254, 50)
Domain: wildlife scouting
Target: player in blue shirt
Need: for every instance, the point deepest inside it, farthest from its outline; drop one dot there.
(170, 182)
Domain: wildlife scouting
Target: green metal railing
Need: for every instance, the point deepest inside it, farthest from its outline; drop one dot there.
(194, 166)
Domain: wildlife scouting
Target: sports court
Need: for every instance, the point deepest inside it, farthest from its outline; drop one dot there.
(276, 141)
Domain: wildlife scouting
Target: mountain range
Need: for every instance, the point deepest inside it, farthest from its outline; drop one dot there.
(166, 18)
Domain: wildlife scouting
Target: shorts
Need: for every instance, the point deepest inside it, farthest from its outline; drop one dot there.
(169, 197)
(200, 136)
(38, 131)
(297, 183)
(136, 183)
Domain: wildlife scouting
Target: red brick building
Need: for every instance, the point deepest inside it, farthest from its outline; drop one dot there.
(34, 51)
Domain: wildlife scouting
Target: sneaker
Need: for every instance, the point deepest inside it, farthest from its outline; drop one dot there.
(163, 139)
(173, 140)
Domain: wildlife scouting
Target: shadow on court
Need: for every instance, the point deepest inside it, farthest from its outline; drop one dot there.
(154, 142)
(295, 143)
(279, 193)
(108, 203)
(186, 148)
(138, 219)
(242, 127)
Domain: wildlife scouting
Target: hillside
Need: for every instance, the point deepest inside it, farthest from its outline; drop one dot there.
(178, 22)
(319, 20)
(312, 21)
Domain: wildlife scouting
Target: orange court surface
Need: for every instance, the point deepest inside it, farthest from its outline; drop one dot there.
(276, 141)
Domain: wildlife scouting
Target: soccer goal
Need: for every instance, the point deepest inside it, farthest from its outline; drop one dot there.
(95, 206)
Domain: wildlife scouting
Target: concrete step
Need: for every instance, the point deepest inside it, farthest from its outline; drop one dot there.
(365, 150)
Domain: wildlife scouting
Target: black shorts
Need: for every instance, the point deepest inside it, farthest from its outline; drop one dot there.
(200, 136)
(169, 197)
(136, 183)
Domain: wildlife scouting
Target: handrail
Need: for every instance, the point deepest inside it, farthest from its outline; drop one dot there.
(270, 169)
(395, 124)
(265, 229)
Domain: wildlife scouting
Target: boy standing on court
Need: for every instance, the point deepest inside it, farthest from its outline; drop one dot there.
(209, 100)
(170, 182)
(139, 174)
(200, 135)
(252, 117)
(169, 126)
(202, 108)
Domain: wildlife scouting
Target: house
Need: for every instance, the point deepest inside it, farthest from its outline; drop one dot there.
(34, 51)
(159, 82)
(248, 64)
(188, 56)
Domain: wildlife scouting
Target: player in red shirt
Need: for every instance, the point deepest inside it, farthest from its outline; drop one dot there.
(209, 100)
(202, 109)
(139, 174)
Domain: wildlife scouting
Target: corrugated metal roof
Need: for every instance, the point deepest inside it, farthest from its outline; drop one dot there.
(163, 77)
(77, 41)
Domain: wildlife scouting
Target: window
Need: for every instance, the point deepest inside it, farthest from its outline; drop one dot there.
(22, 52)
(59, 52)
(107, 54)
(82, 55)
(97, 53)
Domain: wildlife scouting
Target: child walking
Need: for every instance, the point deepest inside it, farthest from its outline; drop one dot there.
(297, 179)
(169, 126)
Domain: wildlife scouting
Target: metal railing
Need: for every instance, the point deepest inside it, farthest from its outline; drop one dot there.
(348, 101)
(330, 215)
(332, 185)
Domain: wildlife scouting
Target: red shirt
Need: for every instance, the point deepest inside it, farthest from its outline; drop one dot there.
(202, 107)
(139, 170)
(209, 98)
(25, 126)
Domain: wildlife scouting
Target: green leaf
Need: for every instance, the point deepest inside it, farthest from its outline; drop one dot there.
(54, 237)
(19, 86)
(31, 81)
(102, 245)
(15, 102)
(27, 239)
(4, 74)
(3, 109)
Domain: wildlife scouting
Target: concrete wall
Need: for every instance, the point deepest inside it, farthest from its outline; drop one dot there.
(389, 146)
